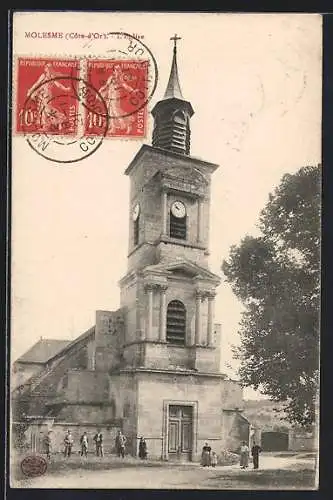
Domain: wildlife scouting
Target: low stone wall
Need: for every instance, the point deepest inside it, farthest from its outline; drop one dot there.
(34, 436)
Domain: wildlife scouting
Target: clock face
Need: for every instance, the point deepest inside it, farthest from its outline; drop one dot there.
(178, 209)
(136, 212)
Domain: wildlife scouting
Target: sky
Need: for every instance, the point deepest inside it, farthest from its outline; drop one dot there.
(254, 81)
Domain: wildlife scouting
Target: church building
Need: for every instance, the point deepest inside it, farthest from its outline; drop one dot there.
(151, 368)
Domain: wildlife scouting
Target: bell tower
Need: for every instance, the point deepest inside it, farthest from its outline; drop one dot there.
(172, 114)
(168, 291)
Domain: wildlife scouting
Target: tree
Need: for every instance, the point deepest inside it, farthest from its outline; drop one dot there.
(277, 278)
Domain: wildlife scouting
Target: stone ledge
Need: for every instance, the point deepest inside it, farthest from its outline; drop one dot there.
(78, 402)
(173, 372)
(184, 243)
(169, 344)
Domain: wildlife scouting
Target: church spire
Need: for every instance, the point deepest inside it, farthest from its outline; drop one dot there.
(172, 114)
(173, 88)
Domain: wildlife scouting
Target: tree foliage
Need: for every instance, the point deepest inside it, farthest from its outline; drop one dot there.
(277, 278)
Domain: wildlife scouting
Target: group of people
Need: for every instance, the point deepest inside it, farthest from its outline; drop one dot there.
(208, 457)
(84, 443)
(245, 454)
(120, 445)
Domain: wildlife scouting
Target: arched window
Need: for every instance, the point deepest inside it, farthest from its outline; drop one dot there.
(126, 410)
(113, 408)
(179, 118)
(136, 230)
(176, 322)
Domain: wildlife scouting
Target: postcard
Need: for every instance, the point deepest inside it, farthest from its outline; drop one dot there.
(165, 232)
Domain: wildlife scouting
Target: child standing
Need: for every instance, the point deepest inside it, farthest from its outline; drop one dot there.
(213, 460)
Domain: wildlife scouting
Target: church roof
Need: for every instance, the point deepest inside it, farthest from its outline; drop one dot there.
(173, 87)
(43, 351)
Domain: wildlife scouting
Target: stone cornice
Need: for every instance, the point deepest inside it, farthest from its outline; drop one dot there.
(205, 294)
(184, 243)
(145, 148)
(131, 276)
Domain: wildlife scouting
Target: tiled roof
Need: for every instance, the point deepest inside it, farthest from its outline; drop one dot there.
(43, 350)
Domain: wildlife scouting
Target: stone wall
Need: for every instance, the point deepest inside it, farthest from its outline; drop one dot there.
(167, 251)
(85, 386)
(235, 429)
(162, 355)
(109, 337)
(124, 392)
(36, 433)
(302, 441)
(92, 414)
(231, 395)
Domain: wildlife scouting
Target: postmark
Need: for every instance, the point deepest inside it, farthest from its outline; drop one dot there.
(121, 46)
(33, 465)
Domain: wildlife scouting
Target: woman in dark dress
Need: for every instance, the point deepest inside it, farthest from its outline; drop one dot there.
(142, 448)
(205, 455)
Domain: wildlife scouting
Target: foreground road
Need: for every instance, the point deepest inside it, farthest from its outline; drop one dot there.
(285, 472)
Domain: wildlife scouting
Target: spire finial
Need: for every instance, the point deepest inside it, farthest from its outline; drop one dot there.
(175, 38)
(173, 87)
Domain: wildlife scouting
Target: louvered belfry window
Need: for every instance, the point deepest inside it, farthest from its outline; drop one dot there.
(177, 227)
(176, 322)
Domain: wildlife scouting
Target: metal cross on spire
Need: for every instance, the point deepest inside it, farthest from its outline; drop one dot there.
(175, 38)
(173, 88)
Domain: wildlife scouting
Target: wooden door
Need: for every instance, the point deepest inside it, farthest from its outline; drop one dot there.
(180, 433)
(274, 441)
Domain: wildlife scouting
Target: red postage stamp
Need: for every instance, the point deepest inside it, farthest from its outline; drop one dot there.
(46, 99)
(123, 85)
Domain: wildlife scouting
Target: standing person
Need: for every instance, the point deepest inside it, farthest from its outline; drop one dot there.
(120, 444)
(213, 459)
(98, 438)
(205, 455)
(48, 445)
(244, 455)
(68, 444)
(255, 454)
(84, 444)
(142, 448)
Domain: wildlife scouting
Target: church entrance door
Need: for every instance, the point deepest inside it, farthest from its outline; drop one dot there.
(180, 433)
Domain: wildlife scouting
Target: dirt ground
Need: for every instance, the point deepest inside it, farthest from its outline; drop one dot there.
(277, 471)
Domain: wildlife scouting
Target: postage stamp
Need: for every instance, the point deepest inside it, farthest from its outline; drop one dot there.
(53, 100)
(50, 108)
(123, 85)
(45, 101)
